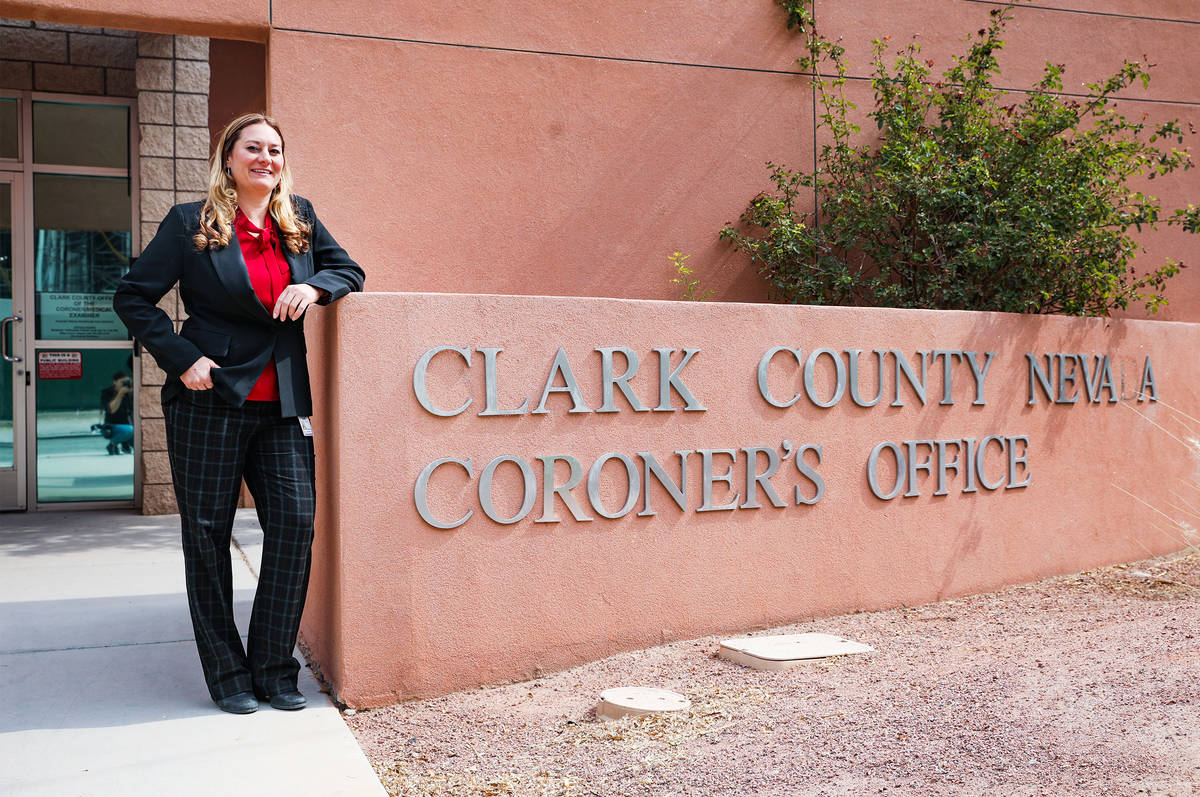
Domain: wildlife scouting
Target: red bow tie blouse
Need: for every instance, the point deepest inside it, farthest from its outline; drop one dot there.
(269, 275)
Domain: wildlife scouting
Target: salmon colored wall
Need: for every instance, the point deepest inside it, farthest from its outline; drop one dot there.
(1091, 45)
(1182, 10)
(731, 33)
(455, 169)
(400, 609)
(570, 149)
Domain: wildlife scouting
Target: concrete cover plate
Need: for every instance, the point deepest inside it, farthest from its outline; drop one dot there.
(638, 700)
(787, 650)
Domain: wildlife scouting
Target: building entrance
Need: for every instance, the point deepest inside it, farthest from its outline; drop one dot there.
(68, 396)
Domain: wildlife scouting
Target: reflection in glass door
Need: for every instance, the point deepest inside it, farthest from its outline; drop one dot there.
(84, 425)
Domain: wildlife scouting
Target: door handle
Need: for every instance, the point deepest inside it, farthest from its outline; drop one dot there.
(5, 322)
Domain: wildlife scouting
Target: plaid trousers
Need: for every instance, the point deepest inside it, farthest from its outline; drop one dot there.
(212, 446)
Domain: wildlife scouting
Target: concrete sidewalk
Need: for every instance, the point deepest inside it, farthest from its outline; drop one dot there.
(100, 686)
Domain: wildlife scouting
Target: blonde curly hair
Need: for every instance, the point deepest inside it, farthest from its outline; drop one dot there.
(217, 213)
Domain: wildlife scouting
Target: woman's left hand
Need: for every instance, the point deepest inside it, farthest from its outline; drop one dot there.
(294, 300)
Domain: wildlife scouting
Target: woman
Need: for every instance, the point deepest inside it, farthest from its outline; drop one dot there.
(249, 260)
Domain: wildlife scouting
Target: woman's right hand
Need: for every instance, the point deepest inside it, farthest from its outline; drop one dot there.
(199, 376)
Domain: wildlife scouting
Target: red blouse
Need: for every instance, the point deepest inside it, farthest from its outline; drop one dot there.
(269, 275)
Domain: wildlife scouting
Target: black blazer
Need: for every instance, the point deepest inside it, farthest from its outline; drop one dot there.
(225, 320)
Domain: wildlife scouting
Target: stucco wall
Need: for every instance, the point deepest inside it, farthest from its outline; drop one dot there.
(400, 608)
(569, 148)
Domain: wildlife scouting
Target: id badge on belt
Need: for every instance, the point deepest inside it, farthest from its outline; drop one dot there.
(305, 426)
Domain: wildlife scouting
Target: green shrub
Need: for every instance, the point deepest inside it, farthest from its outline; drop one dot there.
(971, 198)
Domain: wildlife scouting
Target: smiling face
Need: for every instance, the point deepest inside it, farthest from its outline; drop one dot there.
(256, 160)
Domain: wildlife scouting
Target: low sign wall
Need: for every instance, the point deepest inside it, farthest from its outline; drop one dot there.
(517, 484)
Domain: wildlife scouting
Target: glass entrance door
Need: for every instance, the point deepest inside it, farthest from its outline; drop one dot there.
(68, 398)
(82, 361)
(12, 347)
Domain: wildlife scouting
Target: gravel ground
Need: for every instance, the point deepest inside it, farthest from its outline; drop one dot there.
(1077, 685)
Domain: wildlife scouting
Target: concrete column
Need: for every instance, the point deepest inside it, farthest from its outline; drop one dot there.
(172, 77)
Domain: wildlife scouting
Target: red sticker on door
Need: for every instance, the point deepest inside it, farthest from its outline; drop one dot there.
(60, 365)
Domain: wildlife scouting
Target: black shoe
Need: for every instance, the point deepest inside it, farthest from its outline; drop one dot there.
(241, 703)
(288, 701)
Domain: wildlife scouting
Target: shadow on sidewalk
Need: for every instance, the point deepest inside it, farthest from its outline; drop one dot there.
(49, 533)
(101, 662)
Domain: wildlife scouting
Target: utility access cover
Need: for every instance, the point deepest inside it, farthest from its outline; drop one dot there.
(787, 650)
(638, 700)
